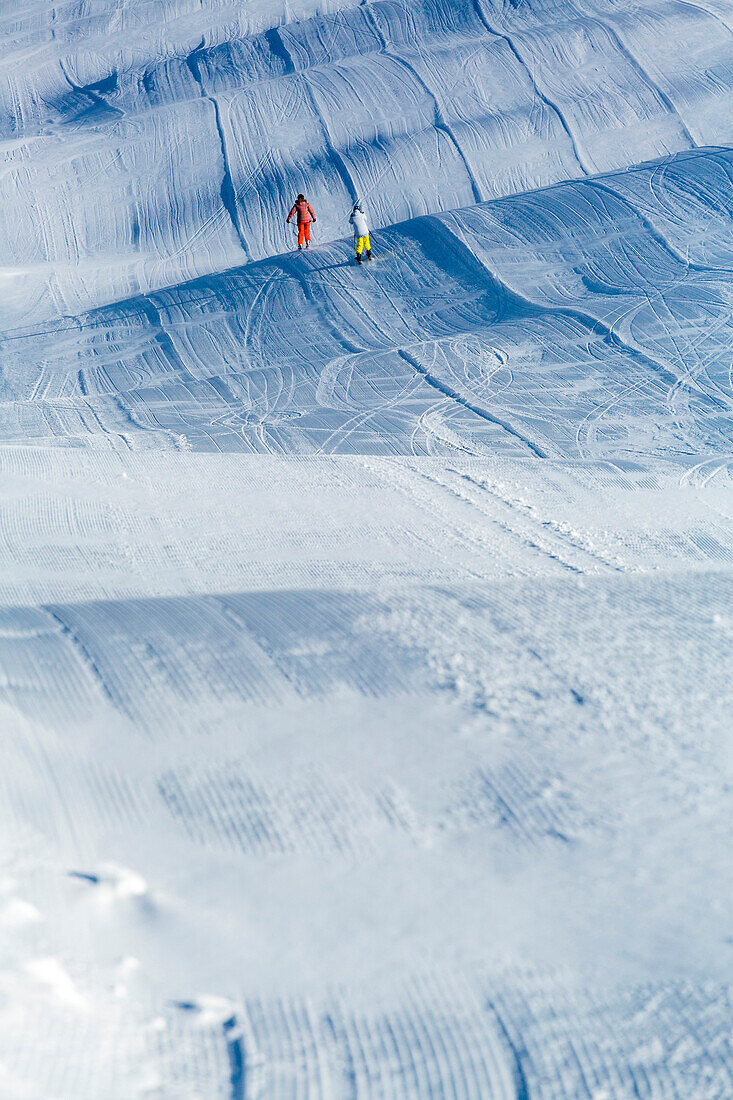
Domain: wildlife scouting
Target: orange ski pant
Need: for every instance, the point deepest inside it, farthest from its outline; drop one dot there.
(304, 233)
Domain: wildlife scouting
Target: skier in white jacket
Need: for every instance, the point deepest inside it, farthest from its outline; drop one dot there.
(361, 232)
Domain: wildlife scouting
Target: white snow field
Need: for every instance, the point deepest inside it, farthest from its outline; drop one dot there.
(366, 635)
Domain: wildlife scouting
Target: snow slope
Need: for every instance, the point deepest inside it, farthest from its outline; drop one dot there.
(195, 125)
(366, 634)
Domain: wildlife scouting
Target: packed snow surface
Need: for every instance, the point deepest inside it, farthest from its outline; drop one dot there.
(366, 634)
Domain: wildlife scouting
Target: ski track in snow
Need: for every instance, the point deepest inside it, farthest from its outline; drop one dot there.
(366, 634)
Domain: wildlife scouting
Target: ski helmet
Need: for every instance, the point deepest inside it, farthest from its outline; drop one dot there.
(300, 198)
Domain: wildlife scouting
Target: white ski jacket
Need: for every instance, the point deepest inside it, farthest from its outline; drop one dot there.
(360, 224)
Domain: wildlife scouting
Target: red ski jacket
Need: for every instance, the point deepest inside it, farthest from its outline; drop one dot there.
(305, 212)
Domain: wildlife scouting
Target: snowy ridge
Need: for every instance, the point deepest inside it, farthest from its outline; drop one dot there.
(561, 324)
(366, 633)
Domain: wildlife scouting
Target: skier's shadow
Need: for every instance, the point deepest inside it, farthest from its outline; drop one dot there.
(304, 269)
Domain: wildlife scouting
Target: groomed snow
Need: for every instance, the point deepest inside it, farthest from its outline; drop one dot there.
(366, 634)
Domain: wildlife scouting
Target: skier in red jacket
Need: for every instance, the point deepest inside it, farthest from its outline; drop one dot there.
(305, 213)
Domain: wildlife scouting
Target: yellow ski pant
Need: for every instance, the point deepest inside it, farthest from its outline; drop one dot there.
(361, 244)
